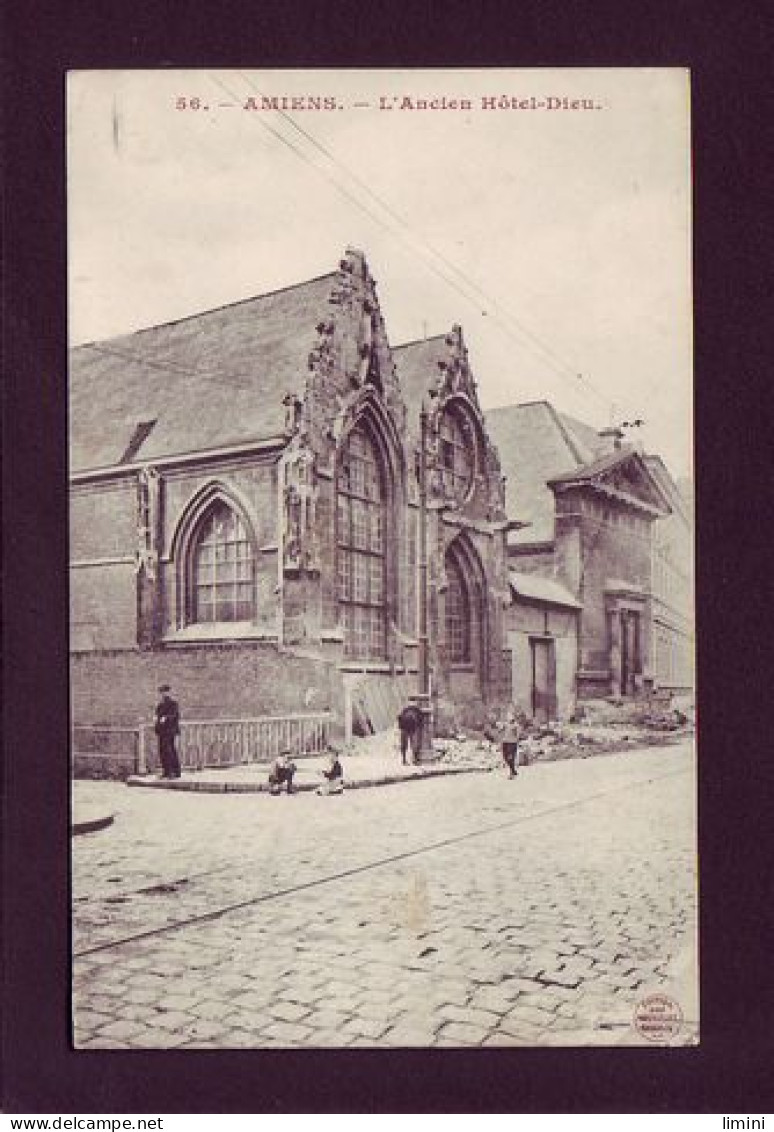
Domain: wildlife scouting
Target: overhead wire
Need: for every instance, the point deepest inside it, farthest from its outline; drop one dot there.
(492, 303)
(421, 242)
(337, 184)
(469, 289)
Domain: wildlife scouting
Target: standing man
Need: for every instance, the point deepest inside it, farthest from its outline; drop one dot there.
(168, 728)
(410, 724)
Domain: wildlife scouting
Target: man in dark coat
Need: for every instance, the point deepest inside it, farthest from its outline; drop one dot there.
(168, 728)
(410, 724)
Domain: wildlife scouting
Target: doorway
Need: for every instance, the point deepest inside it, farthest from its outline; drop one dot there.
(630, 650)
(543, 679)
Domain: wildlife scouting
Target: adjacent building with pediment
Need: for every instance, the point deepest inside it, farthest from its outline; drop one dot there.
(244, 510)
(582, 508)
(673, 590)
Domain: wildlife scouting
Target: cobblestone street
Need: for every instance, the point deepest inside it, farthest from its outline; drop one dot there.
(469, 910)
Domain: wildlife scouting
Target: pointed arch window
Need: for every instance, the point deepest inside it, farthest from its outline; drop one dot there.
(221, 569)
(360, 526)
(457, 614)
(457, 454)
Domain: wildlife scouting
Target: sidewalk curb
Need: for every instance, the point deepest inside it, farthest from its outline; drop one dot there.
(210, 787)
(91, 824)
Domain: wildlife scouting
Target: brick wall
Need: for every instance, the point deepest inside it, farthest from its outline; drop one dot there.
(103, 606)
(103, 541)
(95, 753)
(237, 680)
(103, 520)
(103, 534)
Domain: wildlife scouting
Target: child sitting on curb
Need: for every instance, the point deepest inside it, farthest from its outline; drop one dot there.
(281, 773)
(334, 776)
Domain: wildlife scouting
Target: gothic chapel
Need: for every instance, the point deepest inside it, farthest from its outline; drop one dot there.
(244, 512)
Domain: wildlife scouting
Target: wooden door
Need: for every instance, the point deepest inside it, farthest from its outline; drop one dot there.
(543, 679)
(630, 647)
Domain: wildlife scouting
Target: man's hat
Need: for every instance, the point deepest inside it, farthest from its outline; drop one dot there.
(164, 688)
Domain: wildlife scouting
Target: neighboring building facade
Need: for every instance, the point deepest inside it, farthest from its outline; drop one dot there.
(244, 511)
(583, 507)
(542, 641)
(673, 597)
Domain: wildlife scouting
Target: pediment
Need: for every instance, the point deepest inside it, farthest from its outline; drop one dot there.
(631, 481)
(621, 475)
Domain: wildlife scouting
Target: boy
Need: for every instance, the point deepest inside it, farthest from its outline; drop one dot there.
(282, 772)
(334, 776)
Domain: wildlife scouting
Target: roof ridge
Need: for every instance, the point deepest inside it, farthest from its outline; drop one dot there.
(209, 310)
(567, 436)
(417, 341)
(515, 405)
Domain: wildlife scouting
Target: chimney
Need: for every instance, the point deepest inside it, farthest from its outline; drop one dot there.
(355, 258)
(611, 438)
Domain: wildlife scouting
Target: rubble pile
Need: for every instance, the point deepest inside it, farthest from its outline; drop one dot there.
(598, 728)
(655, 713)
(383, 744)
(562, 741)
(468, 750)
(610, 711)
(571, 741)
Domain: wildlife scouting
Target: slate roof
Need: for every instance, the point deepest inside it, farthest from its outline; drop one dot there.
(212, 380)
(533, 587)
(416, 364)
(539, 446)
(583, 438)
(535, 445)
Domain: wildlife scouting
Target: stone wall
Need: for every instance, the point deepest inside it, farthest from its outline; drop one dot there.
(599, 542)
(525, 620)
(616, 547)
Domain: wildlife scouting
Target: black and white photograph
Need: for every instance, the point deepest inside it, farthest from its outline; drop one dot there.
(381, 557)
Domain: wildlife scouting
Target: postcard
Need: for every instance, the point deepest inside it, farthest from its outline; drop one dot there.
(381, 559)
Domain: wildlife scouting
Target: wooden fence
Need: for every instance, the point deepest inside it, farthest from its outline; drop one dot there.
(236, 742)
(202, 743)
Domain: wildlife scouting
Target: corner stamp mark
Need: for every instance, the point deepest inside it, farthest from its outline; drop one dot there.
(658, 1018)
